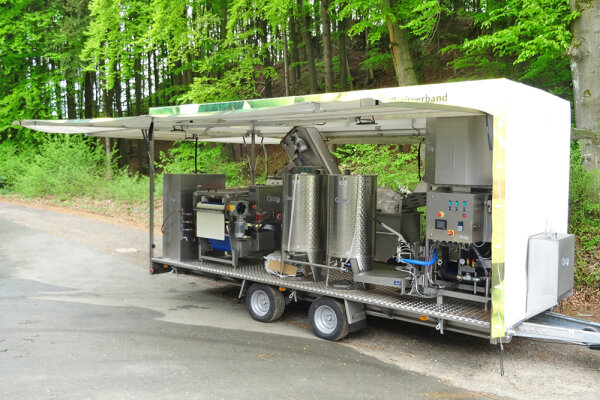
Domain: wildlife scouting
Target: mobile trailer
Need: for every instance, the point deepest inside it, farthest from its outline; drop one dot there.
(496, 182)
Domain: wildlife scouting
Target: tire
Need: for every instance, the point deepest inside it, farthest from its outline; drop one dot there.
(328, 320)
(264, 303)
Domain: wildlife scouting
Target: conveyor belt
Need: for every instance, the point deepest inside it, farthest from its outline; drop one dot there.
(459, 310)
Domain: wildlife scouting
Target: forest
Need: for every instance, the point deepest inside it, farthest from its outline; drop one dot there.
(114, 58)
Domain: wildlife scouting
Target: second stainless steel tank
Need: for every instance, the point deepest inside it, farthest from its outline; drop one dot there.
(302, 216)
(350, 225)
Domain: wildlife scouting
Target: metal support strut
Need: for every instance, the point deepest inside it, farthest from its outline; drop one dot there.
(252, 161)
(148, 135)
(253, 158)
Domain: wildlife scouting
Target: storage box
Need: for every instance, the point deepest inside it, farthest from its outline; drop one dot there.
(288, 269)
(550, 269)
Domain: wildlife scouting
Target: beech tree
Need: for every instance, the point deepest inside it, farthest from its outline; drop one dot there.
(584, 54)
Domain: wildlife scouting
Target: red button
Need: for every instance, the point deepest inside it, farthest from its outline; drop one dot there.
(464, 215)
(440, 214)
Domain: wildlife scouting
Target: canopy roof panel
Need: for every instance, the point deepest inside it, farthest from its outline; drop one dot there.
(340, 117)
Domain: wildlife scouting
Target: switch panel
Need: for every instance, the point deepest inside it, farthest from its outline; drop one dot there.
(458, 217)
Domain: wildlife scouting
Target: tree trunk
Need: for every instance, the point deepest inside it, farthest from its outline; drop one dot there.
(108, 100)
(584, 54)
(343, 54)
(127, 98)
(71, 102)
(308, 47)
(327, 58)
(138, 84)
(156, 81)
(403, 66)
(88, 95)
(286, 71)
(117, 92)
(266, 57)
(188, 78)
(108, 158)
(150, 79)
(177, 76)
(295, 59)
(57, 92)
(369, 75)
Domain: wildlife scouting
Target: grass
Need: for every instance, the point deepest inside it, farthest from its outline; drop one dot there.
(69, 168)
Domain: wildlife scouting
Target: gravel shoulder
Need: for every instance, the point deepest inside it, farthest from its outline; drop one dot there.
(533, 370)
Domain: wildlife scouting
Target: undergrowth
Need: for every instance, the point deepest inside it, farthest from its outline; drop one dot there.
(584, 219)
(211, 159)
(395, 169)
(67, 168)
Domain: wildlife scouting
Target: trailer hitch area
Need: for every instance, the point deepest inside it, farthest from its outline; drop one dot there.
(560, 328)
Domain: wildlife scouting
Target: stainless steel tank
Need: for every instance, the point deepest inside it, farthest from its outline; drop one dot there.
(350, 223)
(302, 221)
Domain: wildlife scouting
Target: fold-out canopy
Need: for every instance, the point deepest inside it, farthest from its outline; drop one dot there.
(345, 119)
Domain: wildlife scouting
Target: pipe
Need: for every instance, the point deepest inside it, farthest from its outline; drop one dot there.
(342, 268)
(470, 278)
(418, 262)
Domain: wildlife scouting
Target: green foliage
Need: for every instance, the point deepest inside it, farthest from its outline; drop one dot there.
(584, 199)
(584, 218)
(66, 167)
(211, 160)
(377, 59)
(14, 161)
(423, 18)
(239, 82)
(395, 169)
(524, 40)
(585, 273)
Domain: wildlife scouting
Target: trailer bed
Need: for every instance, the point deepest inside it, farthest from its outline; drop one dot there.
(468, 314)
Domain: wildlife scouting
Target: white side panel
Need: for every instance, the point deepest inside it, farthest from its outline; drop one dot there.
(537, 185)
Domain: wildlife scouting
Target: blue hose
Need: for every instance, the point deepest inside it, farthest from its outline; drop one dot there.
(418, 262)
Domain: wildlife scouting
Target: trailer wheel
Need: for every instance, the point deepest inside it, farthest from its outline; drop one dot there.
(328, 319)
(265, 303)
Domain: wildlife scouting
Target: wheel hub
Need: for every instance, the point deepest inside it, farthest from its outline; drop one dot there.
(260, 303)
(325, 319)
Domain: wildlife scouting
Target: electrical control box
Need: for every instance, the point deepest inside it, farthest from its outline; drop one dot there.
(458, 217)
(458, 151)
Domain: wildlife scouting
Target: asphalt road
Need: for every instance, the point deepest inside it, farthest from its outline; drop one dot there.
(82, 319)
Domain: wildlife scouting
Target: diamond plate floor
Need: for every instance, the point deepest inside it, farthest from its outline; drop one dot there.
(464, 311)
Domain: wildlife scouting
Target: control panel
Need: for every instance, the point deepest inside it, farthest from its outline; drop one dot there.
(458, 217)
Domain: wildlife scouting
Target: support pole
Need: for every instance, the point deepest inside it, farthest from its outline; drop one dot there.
(148, 135)
(195, 155)
(253, 157)
(151, 173)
